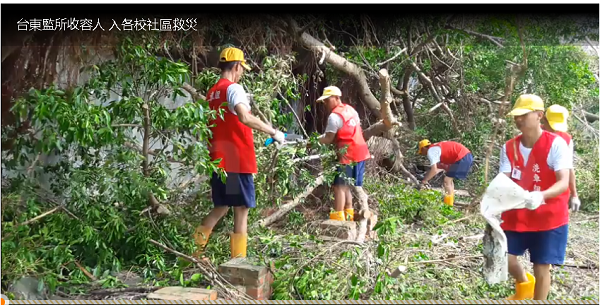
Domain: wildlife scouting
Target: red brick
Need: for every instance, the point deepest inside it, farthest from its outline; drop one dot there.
(257, 279)
(242, 271)
(259, 292)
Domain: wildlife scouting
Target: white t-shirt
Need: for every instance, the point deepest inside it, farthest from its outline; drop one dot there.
(334, 123)
(237, 95)
(434, 154)
(559, 157)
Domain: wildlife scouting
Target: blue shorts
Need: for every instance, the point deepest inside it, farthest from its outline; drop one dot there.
(355, 172)
(545, 247)
(237, 191)
(460, 169)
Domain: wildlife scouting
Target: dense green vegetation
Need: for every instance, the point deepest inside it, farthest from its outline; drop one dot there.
(110, 191)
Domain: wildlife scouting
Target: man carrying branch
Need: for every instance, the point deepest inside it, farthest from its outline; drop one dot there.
(540, 162)
(450, 156)
(343, 129)
(555, 121)
(233, 144)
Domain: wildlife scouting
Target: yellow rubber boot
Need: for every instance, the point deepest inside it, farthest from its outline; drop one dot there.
(238, 244)
(524, 290)
(449, 200)
(201, 236)
(337, 215)
(349, 214)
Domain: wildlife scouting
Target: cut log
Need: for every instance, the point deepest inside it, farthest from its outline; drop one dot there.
(363, 203)
(386, 99)
(287, 207)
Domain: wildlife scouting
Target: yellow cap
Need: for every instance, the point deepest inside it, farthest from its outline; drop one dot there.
(330, 91)
(527, 103)
(423, 143)
(233, 54)
(557, 115)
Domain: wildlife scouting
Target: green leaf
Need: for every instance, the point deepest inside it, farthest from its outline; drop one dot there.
(196, 277)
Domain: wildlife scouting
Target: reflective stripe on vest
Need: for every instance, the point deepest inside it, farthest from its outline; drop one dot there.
(351, 135)
(232, 141)
(536, 175)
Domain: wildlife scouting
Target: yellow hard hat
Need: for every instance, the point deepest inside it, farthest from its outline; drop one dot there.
(233, 54)
(557, 115)
(330, 91)
(527, 103)
(423, 143)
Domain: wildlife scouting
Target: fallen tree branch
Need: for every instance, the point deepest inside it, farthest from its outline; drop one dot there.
(338, 62)
(494, 102)
(287, 207)
(386, 99)
(364, 212)
(578, 266)
(393, 57)
(295, 114)
(493, 39)
(446, 259)
(87, 273)
(312, 157)
(377, 130)
(408, 108)
(106, 292)
(193, 92)
(586, 124)
(595, 47)
(34, 219)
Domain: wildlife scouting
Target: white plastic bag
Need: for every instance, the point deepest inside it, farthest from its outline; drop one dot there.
(501, 195)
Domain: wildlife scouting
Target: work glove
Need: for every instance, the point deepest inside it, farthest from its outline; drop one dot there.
(575, 204)
(534, 201)
(279, 137)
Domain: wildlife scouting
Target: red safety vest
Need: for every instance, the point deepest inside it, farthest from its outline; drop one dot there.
(351, 134)
(452, 151)
(232, 141)
(565, 136)
(536, 175)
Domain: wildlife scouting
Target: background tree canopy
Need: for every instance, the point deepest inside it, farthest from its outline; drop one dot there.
(104, 149)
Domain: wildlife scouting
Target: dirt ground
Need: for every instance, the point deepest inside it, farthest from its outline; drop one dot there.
(457, 274)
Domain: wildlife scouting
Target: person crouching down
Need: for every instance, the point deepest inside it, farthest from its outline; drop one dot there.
(450, 156)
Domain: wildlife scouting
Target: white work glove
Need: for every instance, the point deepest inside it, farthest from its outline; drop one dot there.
(279, 137)
(575, 204)
(534, 201)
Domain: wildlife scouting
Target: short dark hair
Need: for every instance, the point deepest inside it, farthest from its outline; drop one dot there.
(227, 65)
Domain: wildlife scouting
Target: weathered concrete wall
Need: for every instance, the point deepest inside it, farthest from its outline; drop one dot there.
(68, 74)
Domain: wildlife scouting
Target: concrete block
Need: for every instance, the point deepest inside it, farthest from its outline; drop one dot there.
(345, 230)
(183, 293)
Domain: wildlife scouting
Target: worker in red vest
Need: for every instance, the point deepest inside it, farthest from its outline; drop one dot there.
(540, 162)
(343, 129)
(450, 156)
(555, 121)
(233, 144)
